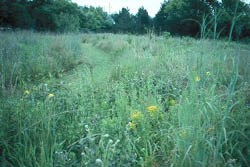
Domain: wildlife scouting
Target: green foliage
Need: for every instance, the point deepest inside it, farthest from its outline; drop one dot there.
(182, 16)
(142, 21)
(66, 16)
(237, 14)
(43, 18)
(96, 19)
(15, 14)
(67, 22)
(196, 17)
(135, 101)
(124, 21)
(161, 18)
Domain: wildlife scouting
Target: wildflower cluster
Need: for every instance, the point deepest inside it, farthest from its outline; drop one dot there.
(36, 91)
(152, 114)
(152, 109)
(135, 117)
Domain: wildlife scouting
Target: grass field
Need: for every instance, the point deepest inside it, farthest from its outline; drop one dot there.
(122, 100)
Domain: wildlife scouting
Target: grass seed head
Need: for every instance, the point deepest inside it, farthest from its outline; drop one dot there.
(136, 116)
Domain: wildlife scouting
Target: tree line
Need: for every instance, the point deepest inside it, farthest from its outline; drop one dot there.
(197, 18)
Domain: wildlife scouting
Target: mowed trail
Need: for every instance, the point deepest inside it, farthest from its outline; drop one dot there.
(95, 70)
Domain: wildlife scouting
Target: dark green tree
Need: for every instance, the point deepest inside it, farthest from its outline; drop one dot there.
(56, 15)
(66, 16)
(3, 13)
(124, 21)
(44, 18)
(142, 21)
(234, 20)
(182, 17)
(185, 16)
(95, 19)
(160, 20)
(204, 18)
(15, 14)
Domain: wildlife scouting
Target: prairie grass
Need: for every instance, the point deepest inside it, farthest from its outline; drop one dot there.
(122, 100)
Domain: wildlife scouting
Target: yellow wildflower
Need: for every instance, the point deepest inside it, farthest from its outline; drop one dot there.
(137, 115)
(208, 74)
(51, 95)
(131, 125)
(197, 78)
(26, 92)
(172, 102)
(152, 109)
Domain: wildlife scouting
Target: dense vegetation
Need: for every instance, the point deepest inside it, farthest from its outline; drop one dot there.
(197, 18)
(69, 97)
(123, 100)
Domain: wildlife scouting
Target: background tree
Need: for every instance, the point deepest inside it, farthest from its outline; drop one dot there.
(185, 16)
(160, 20)
(142, 21)
(66, 16)
(43, 15)
(95, 19)
(235, 14)
(214, 7)
(15, 14)
(204, 18)
(124, 21)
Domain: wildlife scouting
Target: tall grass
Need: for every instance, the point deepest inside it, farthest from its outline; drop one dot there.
(28, 57)
(134, 101)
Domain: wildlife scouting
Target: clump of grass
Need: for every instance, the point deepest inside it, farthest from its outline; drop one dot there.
(114, 47)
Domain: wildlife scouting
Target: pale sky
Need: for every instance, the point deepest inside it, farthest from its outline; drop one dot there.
(114, 6)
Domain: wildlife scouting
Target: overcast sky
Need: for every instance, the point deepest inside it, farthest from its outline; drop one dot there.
(114, 6)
